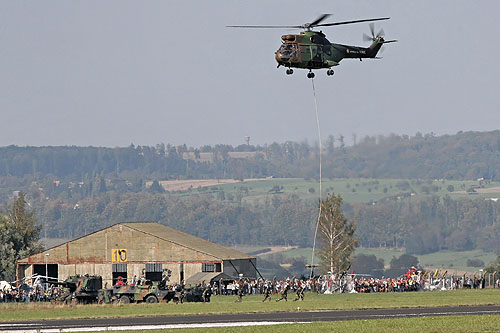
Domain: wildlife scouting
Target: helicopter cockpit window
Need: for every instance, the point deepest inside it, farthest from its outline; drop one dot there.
(288, 50)
(286, 47)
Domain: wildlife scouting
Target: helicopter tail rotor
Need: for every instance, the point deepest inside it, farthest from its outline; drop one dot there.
(373, 37)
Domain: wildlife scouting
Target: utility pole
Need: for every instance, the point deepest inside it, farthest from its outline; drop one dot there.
(46, 267)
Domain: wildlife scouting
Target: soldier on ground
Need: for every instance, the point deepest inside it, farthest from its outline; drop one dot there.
(205, 296)
(284, 293)
(267, 292)
(240, 291)
(299, 293)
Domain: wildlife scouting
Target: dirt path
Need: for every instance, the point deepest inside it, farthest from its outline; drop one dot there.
(183, 185)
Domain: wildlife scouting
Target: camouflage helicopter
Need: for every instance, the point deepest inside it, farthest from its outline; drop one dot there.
(311, 50)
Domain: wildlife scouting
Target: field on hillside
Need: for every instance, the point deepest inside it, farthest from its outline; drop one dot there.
(444, 260)
(352, 190)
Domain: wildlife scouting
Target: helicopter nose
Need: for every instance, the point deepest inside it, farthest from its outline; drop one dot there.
(280, 57)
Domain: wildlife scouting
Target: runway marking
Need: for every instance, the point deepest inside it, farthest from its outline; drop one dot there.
(287, 318)
(423, 314)
(153, 327)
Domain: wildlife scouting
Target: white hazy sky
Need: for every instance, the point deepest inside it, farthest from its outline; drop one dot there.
(111, 73)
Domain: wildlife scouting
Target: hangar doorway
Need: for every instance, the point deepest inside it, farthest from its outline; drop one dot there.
(119, 271)
(154, 272)
(50, 270)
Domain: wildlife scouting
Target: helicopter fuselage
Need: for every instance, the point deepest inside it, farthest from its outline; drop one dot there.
(311, 50)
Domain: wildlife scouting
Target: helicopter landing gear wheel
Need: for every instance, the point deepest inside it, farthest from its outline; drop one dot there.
(330, 72)
(310, 75)
(289, 71)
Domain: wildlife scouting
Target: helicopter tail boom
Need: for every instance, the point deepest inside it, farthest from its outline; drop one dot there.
(357, 52)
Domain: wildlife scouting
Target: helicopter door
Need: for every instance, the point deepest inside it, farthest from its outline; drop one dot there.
(319, 54)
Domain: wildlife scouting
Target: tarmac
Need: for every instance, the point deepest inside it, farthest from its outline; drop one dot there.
(240, 319)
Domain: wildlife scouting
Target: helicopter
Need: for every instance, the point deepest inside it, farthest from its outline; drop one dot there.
(312, 50)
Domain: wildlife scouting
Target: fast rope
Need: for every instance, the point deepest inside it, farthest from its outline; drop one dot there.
(320, 176)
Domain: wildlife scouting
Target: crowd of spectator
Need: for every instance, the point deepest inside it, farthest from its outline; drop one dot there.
(26, 294)
(413, 280)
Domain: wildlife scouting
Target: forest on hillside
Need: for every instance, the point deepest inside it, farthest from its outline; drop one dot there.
(467, 155)
(422, 225)
(77, 190)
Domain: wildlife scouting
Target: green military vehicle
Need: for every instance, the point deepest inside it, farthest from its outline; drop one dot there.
(79, 289)
(149, 292)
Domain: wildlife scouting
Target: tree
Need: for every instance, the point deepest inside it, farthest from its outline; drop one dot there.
(401, 265)
(336, 236)
(19, 236)
(493, 268)
(368, 264)
(156, 187)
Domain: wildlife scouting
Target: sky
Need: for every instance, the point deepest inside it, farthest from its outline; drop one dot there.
(112, 73)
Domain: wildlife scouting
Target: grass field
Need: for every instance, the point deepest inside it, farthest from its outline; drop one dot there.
(482, 323)
(253, 304)
(449, 260)
(352, 190)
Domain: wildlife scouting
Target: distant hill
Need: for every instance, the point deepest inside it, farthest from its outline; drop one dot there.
(463, 156)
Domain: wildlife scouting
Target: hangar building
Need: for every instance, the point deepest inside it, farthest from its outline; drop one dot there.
(138, 249)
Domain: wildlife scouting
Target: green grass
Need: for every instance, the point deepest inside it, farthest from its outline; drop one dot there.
(477, 323)
(456, 260)
(352, 190)
(253, 304)
(449, 260)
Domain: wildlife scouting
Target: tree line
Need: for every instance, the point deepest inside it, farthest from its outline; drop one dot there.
(421, 224)
(77, 190)
(465, 155)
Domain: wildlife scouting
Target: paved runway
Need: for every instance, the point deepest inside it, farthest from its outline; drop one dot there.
(142, 323)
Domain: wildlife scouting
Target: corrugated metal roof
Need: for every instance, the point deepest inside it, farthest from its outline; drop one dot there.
(175, 236)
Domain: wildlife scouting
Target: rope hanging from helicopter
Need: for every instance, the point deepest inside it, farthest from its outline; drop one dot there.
(320, 175)
(308, 39)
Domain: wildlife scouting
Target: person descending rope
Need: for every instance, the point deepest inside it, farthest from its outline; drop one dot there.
(320, 177)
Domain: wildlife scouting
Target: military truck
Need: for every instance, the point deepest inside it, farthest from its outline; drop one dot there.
(196, 294)
(149, 292)
(79, 289)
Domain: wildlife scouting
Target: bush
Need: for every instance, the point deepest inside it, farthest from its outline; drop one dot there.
(368, 264)
(475, 263)
(401, 265)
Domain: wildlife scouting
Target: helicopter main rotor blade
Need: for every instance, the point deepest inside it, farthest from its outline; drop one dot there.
(319, 19)
(267, 26)
(350, 22)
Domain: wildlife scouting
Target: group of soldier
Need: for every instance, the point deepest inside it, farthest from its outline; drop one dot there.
(268, 288)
